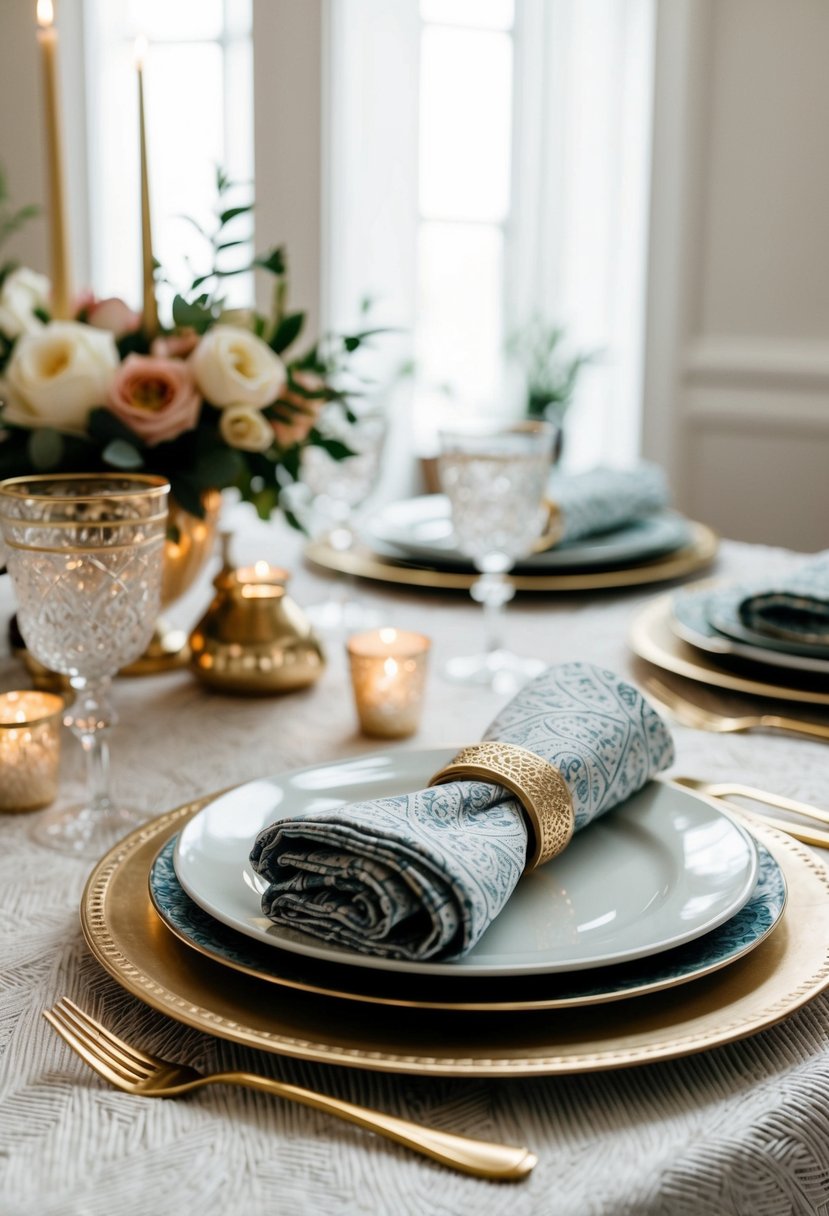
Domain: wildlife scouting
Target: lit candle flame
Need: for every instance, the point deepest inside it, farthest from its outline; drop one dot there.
(45, 13)
(261, 569)
(388, 635)
(140, 49)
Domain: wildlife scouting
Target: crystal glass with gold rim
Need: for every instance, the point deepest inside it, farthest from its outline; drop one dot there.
(495, 479)
(85, 554)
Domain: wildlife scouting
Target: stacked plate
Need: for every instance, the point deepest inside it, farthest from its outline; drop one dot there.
(699, 632)
(662, 929)
(411, 542)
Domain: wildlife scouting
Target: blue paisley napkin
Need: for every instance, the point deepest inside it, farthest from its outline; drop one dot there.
(794, 607)
(603, 499)
(421, 875)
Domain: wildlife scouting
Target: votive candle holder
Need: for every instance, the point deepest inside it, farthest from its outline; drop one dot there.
(388, 675)
(30, 726)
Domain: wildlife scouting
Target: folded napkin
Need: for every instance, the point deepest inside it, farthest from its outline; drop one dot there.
(603, 499)
(794, 607)
(422, 875)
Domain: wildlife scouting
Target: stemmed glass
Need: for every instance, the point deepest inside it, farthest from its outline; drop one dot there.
(495, 480)
(339, 488)
(85, 556)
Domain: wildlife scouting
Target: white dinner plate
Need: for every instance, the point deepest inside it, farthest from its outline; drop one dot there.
(656, 872)
(420, 529)
(699, 616)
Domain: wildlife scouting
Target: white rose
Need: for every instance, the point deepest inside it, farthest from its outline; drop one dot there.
(234, 367)
(245, 428)
(22, 292)
(58, 374)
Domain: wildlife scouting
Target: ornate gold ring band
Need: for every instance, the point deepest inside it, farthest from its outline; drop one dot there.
(540, 788)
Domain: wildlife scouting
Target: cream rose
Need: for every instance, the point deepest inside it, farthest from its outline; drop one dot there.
(234, 367)
(22, 292)
(245, 428)
(58, 374)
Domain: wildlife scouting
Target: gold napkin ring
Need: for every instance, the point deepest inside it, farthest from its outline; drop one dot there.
(540, 788)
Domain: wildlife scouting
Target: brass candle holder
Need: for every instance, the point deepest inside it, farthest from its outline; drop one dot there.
(388, 675)
(30, 724)
(254, 639)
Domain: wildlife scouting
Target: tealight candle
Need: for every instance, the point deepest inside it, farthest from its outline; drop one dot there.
(388, 674)
(29, 749)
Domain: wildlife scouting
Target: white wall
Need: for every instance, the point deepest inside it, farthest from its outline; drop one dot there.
(737, 376)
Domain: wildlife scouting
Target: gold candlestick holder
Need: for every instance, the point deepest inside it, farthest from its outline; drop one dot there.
(30, 724)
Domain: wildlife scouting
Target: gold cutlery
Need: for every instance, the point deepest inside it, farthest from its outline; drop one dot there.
(722, 791)
(136, 1072)
(691, 714)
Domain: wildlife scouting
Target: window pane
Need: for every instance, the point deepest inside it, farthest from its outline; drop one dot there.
(459, 334)
(485, 14)
(187, 19)
(465, 109)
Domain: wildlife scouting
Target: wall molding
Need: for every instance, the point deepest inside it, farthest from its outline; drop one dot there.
(757, 362)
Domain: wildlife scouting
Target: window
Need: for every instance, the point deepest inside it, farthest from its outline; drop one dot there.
(490, 164)
(199, 114)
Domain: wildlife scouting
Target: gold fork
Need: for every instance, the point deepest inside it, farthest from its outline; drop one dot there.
(722, 791)
(137, 1072)
(691, 714)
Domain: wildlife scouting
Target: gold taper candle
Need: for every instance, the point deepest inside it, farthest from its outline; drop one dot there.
(150, 308)
(47, 38)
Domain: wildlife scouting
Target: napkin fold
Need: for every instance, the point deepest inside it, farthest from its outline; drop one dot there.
(794, 607)
(603, 499)
(421, 875)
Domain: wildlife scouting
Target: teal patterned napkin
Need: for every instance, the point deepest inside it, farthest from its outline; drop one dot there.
(603, 499)
(422, 875)
(795, 607)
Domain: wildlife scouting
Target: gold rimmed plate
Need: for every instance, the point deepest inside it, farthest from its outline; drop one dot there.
(653, 638)
(363, 563)
(131, 941)
(742, 933)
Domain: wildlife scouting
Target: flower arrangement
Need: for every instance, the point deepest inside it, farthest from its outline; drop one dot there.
(221, 398)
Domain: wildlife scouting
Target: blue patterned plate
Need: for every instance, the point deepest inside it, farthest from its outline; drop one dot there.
(739, 935)
(663, 868)
(707, 618)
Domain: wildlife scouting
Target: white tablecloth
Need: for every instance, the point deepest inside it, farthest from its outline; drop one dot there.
(743, 1129)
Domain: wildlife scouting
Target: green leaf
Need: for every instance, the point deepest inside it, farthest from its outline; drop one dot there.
(265, 501)
(45, 449)
(273, 261)
(122, 455)
(191, 316)
(287, 331)
(232, 212)
(106, 427)
(335, 448)
(218, 466)
(187, 495)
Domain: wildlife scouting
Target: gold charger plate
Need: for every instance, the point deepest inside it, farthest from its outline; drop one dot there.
(652, 638)
(363, 563)
(132, 943)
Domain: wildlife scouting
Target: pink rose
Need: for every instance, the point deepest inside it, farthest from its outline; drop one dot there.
(154, 397)
(175, 346)
(296, 424)
(113, 314)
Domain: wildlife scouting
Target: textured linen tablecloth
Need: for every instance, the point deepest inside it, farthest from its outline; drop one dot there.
(743, 1129)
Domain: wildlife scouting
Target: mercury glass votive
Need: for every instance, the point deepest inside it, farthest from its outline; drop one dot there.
(388, 675)
(30, 724)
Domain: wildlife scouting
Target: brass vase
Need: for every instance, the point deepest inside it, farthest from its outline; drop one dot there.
(189, 546)
(254, 639)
